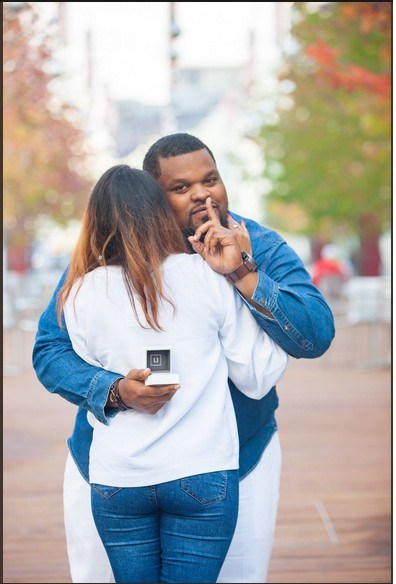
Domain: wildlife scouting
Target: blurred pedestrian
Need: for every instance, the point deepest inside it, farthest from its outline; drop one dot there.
(329, 264)
(279, 293)
(330, 274)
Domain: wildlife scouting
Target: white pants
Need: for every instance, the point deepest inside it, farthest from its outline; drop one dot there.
(249, 554)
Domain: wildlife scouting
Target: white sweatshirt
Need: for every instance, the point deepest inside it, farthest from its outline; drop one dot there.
(212, 336)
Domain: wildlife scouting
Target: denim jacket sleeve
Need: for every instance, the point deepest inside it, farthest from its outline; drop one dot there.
(302, 323)
(62, 371)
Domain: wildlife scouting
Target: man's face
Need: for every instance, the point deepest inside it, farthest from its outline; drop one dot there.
(188, 180)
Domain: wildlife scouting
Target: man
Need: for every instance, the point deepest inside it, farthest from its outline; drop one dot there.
(279, 292)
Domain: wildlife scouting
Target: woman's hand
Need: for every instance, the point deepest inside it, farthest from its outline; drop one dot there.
(144, 398)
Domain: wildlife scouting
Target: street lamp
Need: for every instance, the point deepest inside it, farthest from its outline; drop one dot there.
(169, 122)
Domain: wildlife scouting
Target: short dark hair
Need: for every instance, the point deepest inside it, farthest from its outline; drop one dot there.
(170, 146)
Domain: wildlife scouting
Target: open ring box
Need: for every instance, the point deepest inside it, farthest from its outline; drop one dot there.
(158, 359)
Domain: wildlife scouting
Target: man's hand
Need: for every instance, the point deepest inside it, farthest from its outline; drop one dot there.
(220, 249)
(144, 398)
(241, 233)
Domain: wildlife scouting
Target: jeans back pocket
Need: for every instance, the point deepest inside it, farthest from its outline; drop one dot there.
(105, 491)
(206, 488)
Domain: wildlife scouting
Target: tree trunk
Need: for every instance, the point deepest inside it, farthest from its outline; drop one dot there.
(369, 256)
(18, 259)
(18, 244)
(317, 244)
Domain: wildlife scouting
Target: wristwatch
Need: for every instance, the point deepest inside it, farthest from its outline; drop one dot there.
(249, 265)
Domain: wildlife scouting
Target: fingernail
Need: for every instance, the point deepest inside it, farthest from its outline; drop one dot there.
(176, 386)
(209, 199)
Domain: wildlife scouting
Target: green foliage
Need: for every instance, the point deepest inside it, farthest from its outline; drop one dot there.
(328, 156)
(44, 153)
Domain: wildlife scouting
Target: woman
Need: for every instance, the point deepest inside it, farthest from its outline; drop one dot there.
(164, 487)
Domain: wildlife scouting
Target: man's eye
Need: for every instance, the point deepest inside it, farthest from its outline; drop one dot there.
(210, 181)
(179, 188)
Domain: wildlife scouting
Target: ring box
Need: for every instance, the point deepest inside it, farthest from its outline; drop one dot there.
(158, 359)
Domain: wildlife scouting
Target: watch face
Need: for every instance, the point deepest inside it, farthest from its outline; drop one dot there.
(247, 259)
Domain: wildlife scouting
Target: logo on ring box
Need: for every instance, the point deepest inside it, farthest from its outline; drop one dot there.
(158, 359)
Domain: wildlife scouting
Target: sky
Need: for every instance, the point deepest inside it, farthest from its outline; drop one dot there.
(130, 41)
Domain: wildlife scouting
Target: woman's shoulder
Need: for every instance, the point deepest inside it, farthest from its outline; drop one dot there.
(182, 262)
(192, 271)
(187, 262)
(103, 273)
(98, 277)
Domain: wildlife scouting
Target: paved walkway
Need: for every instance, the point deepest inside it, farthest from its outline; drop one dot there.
(334, 521)
(335, 428)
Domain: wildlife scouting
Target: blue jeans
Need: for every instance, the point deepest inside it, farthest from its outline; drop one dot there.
(178, 531)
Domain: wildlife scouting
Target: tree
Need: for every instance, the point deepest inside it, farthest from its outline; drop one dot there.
(328, 154)
(44, 150)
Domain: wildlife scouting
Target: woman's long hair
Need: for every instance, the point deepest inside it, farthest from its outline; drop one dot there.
(129, 223)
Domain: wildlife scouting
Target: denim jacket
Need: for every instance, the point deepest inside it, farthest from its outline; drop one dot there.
(301, 323)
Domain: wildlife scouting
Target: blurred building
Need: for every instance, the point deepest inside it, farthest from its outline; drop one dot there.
(197, 92)
(209, 82)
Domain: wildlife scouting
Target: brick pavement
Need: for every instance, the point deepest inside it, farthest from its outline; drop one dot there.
(334, 515)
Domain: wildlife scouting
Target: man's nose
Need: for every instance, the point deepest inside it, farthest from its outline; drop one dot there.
(199, 193)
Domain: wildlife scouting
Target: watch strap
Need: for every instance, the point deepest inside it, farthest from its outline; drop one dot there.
(248, 265)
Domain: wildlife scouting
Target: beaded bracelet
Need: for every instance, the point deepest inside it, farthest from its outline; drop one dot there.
(115, 398)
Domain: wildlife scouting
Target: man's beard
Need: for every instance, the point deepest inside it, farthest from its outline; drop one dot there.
(190, 230)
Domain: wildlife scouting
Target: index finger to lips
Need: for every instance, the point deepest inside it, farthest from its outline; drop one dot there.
(211, 212)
